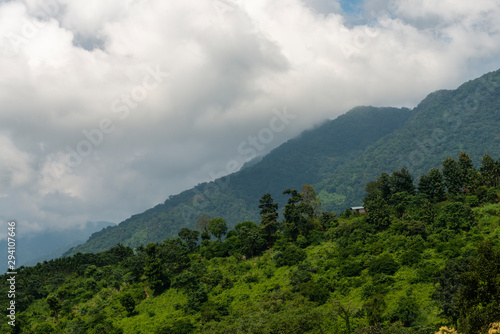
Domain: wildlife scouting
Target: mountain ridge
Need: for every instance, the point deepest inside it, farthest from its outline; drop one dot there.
(337, 157)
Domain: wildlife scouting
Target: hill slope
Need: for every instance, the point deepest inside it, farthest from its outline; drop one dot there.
(338, 158)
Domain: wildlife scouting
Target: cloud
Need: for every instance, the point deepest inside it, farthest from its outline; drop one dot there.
(110, 107)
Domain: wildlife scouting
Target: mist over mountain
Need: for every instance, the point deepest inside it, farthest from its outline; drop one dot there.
(337, 157)
(51, 244)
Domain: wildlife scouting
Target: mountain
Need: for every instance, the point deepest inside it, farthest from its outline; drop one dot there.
(427, 266)
(51, 244)
(338, 158)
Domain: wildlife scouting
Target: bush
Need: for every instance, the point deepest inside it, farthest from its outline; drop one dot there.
(315, 292)
(182, 326)
(456, 216)
(383, 264)
(290, 256)
(407, 310)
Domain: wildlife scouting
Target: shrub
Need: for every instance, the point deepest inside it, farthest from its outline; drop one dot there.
(383, 264)
(290, 256)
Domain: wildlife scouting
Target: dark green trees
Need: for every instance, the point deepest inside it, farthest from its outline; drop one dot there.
(460, 176)
(250, 237)
(490, 170)
(431, 186)
(54, 306)
(401, 181)
(154, 270)
(268, 217)
(479, 297)
(218, 228)
(302, 212)
(190, 237)
(128, 302)
(468, 290)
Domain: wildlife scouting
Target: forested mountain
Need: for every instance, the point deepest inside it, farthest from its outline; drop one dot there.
(423, 260)
(338, 158)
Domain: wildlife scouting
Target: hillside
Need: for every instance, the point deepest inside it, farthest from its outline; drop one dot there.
(338, 158)
(425, 256)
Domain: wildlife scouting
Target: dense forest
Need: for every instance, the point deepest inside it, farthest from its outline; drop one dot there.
(425, 258)
(338, 158)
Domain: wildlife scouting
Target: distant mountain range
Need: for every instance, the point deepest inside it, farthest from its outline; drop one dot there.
(50, 245)
(338, 158)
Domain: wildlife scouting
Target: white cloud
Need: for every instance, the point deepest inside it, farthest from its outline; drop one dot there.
(75, 67)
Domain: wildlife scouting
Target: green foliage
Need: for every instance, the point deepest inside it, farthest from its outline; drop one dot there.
(218, 228)
(425, 265)
(383, 264)
(407, 310)
(290, 256)
(128, 302)
(456, 216)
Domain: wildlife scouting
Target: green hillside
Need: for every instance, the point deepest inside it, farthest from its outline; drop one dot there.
(338, 158)
(426, 255)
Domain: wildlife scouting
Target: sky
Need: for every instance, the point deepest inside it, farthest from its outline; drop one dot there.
(109, 107)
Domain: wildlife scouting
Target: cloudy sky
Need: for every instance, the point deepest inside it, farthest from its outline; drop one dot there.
(108, 107)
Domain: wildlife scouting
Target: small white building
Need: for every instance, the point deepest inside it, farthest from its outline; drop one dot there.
(359, 209)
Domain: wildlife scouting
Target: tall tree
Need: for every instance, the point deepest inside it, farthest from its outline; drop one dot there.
(452, 176)
(401, 181)
(384, 184)
(268, 217)
(470, 180)
(202, 224)
(218, 228)
(431, 186)
(294, 219)
(54, 306)
(153, 269)
(311, 199)
(190, 237)
(490, 170)
(479, 297)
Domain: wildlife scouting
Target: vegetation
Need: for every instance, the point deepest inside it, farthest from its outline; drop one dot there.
(338, 158)
(425, 258)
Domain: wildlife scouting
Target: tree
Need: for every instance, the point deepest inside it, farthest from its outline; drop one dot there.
(292, 215)
(470, 177)
(384, 185)
(460, 176)
(218, 228)
(479, 297)
(346, 313)
(190, 237)
(153, 269)
(378, 211)
(251, 240)
(374, 309)
(407, 310)
(431, 186)
(202, 224)
(401, 181)
(128, 302)
(452, 176)
(490, 170)
(267, 205)
(310, 199)
(54, 306)
(299, 215)
(269, 217)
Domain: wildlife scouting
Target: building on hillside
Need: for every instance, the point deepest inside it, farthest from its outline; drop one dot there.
(359, 209)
